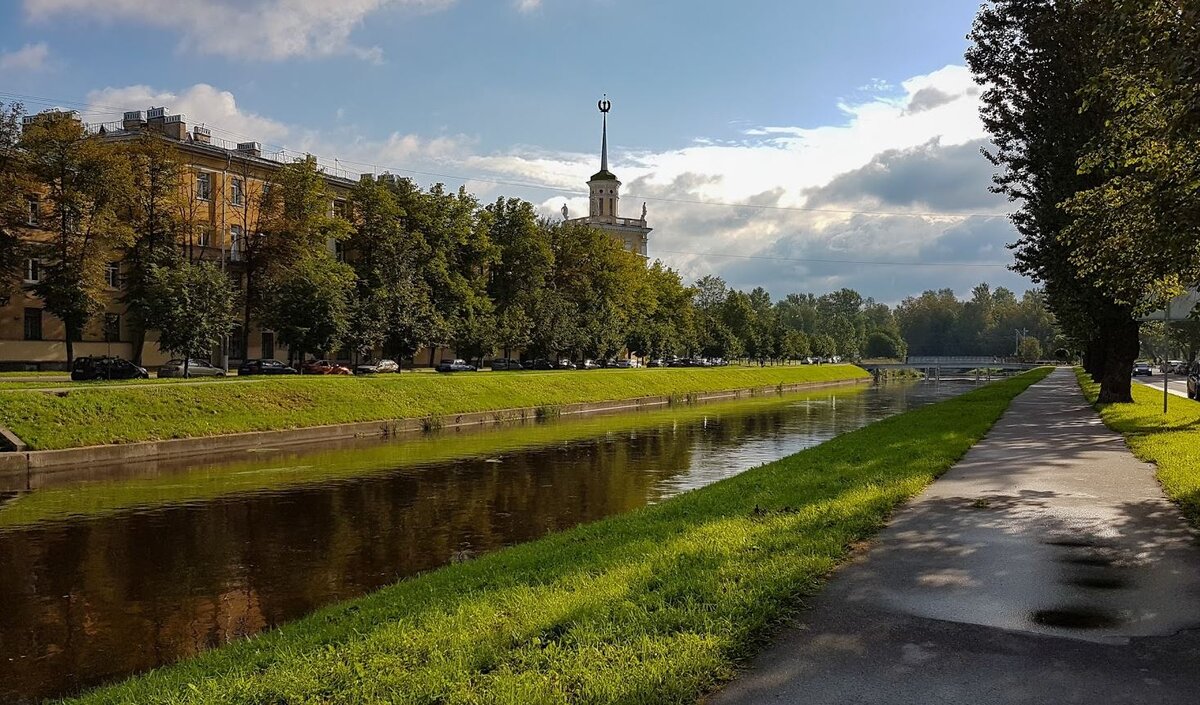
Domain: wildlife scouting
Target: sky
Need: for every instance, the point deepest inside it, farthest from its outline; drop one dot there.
(798, 145)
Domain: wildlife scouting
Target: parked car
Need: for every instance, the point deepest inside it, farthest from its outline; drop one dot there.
(1171, 366)
(657, 362)
(501, 364)
(589, 365)
(455, 366)
(259, 366)
(718, 362)
(324, 367)
(377, 367)
(1193, 381)
(539, 364)
(626, 364)
(565, 364)
(195, 368)
(1142, 369)
(102, 367)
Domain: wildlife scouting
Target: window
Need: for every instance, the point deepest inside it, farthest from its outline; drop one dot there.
(205, 236)
(34, 210)
(612, 207)
(203, 186)
(339, 251)
(340, 210)
(112, 327)
(237, 243)
(33, 270)
(268, 344)
(33, 324)
(236, 192)
(112, 275)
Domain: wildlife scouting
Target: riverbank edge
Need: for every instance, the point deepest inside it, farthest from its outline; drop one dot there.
(655, 605)
(1168, 441)
(29, 463)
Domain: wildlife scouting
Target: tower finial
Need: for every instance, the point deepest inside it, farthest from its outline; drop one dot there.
(605, 105)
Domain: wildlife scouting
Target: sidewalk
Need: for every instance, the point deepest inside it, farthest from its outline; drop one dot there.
(1046, 567)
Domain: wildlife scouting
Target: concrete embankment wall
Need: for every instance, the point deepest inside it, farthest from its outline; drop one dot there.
(17, 464)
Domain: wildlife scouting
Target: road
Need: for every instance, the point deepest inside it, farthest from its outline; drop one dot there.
(1177, 384)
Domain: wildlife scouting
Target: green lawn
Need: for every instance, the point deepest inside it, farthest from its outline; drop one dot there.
(1171, 441)
(102, 415)
(656, 606)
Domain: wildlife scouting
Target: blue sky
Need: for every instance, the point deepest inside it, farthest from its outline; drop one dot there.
(857, 105)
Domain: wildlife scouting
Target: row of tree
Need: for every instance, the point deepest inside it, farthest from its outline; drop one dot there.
(1092, 107)
(413, 268)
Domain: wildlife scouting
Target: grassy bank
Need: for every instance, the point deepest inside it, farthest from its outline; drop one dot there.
(651, 607)
(1170, 441)
(98, 415)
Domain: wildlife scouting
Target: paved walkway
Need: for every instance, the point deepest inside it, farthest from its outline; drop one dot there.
(1046, 567)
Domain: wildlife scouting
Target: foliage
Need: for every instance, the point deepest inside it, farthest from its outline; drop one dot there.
(308, 304)
(653, 606)
(14, 186)
(1029, 350)
(92, 415)
(191, 305)
(882, 345)
(87, 186)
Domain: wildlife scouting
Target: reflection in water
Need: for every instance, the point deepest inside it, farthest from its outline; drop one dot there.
(104, 578)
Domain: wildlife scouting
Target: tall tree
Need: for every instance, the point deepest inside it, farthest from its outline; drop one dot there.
(15, 192)
(87, 183)
(152, 213)
(191, 305)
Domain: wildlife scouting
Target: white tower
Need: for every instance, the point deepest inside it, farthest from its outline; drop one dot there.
(604, 207)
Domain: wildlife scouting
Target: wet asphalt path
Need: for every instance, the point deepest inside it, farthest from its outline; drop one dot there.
(1046, 567)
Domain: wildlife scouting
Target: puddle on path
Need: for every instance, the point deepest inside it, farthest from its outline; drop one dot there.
(1075, 618)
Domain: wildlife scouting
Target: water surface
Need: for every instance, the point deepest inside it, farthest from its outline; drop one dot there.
(109, 572)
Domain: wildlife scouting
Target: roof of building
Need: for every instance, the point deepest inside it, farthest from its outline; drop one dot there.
(604, 175)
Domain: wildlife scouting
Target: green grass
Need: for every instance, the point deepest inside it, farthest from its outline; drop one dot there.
(656, 606)
(199, 483)
(99, 415)
(1171, 441)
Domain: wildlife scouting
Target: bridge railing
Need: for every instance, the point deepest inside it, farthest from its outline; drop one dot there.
(953, 360)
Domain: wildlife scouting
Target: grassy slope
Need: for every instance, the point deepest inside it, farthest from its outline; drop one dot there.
(651, 607)
(1172, 442)
(96, 416)
(208, 481)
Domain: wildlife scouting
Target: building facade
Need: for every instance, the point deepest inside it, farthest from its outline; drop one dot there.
(604, 201)
(220, 208)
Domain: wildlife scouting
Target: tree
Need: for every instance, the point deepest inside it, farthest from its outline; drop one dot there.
(152, 212)
(1035, 58)
(191, 305)
(87, 184)
(823, 346)
(14, 189)
(795, 345)
(1030, 350)
(308, 305)
(880, 345)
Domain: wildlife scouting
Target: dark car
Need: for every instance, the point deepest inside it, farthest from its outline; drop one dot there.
(1193, 381)
(503, 364)
(540, 364)
(377, 367)
(1142, 369)
(89, 368)
(455, 366)
(657, 362)
(195, 368)
(264, 367)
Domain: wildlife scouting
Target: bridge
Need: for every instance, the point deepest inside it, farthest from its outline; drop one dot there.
(934, 366)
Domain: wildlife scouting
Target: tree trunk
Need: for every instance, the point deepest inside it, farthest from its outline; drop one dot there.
(1121, 349)
(139, 344)
(70, 349)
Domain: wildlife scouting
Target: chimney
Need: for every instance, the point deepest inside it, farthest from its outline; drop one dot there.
(201, 134)
(134, 120)
(175, 128)
(156, 119)
(250, 149)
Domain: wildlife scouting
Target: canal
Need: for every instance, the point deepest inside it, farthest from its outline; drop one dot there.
(106, 572)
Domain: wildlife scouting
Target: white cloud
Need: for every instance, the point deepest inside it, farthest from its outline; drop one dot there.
(243, 29)
(31, 57)
(528, 5)
(887, 155)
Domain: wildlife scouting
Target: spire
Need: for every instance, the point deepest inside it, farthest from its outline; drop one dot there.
(605, 106)
(604, 174)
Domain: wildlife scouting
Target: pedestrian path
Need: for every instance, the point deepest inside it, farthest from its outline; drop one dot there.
(1045, 567)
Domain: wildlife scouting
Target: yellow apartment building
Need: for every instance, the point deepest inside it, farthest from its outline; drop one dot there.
(224, 188)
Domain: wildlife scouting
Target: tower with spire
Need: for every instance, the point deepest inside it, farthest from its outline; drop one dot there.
(604, 199)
